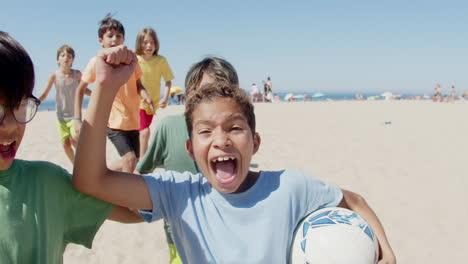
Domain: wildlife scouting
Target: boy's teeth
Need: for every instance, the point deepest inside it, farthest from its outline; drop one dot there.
(7, 143)
(222, 159)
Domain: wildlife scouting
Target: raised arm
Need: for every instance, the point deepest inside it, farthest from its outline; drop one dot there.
(49, 84)
(358, 204)
(91, 175)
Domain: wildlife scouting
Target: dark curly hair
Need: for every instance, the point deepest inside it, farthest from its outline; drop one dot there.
(109, 23)
(216, 90)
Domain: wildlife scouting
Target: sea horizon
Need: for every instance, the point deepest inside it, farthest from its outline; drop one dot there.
(50, 105)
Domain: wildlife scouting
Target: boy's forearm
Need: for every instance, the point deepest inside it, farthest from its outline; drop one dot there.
(125, 215)
(167, 89)
(90, 163)
(359, 205)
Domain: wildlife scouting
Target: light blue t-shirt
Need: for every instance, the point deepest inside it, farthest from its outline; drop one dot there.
(255, 226)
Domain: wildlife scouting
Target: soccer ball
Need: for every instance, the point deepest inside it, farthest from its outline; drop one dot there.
(334, 236)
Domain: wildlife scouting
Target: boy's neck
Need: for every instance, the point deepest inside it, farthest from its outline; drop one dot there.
(65, 70)
(249, 181)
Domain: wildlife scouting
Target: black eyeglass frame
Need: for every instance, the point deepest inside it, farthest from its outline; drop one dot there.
(36, 101)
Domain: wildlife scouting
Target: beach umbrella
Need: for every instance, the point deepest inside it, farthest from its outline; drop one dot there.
(288, 96)
(316, 95)
(175, 90)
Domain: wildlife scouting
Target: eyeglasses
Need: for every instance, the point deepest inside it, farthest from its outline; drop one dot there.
(24, 112)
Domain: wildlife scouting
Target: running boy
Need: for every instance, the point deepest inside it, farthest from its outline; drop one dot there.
(226, 200)
(167, 146)
(66, 81)
(123, 123)
(40, 211)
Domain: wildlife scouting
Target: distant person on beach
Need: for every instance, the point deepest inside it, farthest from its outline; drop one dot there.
(167, 146)
(66, 80)
(226, 213)
(154, 66)
(254, 93)
(270, 84)
(453, 93)
(267, 94)
(124, 120)
(437, 97)
(40, 211)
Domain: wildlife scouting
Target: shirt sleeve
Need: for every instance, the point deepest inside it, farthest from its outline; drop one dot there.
(89, 74)
(159, 198)
(85, 216)
(167, 72)
(319, 194)
(157, 152)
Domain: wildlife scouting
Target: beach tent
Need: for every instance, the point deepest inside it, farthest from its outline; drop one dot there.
(288, 96)
(387, 95)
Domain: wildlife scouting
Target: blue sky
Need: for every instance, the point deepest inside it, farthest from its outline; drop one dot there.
(317, 46)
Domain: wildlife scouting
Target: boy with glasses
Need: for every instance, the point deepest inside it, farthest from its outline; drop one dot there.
(40, 211)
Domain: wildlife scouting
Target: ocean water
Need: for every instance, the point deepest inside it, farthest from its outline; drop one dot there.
(49, 104)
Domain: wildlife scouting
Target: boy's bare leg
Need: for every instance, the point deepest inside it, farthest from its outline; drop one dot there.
(67, 146)
(144, 137)
(116, 166)
(129, 161)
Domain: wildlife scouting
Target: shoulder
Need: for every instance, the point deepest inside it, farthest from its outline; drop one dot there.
(44, 170)
(175, 177)
(52, 76)
(92, 61)
(78, 73)
(173, 119)
(160, 57)
(293, 178)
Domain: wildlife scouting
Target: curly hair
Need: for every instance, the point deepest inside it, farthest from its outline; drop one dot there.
(219, 90)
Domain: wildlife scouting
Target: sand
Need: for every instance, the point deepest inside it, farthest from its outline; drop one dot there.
(407, 158)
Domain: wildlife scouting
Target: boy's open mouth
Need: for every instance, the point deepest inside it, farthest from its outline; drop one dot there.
(8, 150)
(225, 169)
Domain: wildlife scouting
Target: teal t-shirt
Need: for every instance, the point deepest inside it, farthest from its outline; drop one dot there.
(167, 148)
(41, 212)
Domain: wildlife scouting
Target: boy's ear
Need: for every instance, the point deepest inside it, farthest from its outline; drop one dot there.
(188, 147)
(100, 41)
(257, 140)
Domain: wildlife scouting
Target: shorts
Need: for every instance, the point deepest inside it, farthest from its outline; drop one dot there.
(125, 141)
(65, 130)
(145, 119)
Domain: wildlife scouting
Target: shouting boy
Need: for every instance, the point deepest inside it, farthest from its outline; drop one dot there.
(227, 212)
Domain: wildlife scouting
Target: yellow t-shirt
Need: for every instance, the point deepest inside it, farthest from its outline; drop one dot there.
(153, 69)
(124, 114)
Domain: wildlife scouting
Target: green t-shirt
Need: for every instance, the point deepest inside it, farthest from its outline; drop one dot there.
(167, 148)
(41, 212)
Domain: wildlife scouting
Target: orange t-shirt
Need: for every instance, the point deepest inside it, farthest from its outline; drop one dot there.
(124, 114)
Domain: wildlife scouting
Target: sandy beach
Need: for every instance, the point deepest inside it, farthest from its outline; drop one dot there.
(407, 158)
